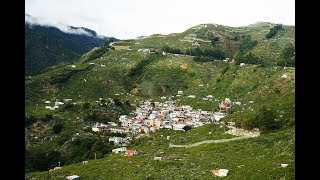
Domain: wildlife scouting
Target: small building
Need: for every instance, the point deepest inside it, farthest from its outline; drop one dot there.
(99, 127)
(180, 92)
(146, 51)
(242, 64)
(117, 129)
(284, 76)
(237, 103)
(130, 153)
(58, 103)
(117, 150)
(73, 177)
(157, 158)
(191, 96)
(117, 140)
(179, 126)
(220, 172)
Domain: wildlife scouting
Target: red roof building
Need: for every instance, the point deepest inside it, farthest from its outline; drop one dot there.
(130, 152)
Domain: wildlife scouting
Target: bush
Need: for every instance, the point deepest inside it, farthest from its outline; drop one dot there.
(273, 31)
(187, 128)
(86, 105)
(287, 56)
(265, 120)
(57, 128)
(30, 120)
(47, 118)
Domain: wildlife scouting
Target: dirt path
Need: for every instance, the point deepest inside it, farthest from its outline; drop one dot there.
(215, 141)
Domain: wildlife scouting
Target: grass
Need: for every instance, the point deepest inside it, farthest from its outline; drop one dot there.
(257, 158)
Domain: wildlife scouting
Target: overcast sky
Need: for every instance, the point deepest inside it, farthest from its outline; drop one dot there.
(126, 19)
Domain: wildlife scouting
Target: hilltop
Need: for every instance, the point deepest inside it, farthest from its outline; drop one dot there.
(247, 64)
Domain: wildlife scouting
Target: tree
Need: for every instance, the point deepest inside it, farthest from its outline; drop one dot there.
(187, 128)
(287, 52)
(265, 120)
(86, 105)
(30, 120)
(57, 128)
(47, 117)
(273, 31)
(117, 102)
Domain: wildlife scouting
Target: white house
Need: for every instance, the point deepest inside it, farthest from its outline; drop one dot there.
(117, 140)
(284, 76)
(58, 103)
(146, 51)
(242, 64)
(122, 118)
(117, 150)
(73, 177)
(178, 126)
(157, 158)
(148, 122)
(99, 127)
(237, 103)
(180, 92)
(50, 107)
(217, 116)
(220, 172)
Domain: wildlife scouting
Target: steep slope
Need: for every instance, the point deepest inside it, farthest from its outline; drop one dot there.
(47, 45)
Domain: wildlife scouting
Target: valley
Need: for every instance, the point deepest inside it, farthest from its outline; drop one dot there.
(164, 96)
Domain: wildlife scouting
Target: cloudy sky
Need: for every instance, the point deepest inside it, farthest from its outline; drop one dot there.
(126, 19)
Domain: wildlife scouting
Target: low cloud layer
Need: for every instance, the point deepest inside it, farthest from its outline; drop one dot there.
(64, 28)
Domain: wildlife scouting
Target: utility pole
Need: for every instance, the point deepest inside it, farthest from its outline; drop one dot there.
(59, 163)
(95, 155)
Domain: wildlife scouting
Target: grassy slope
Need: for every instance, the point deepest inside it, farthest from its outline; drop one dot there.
(257, 158)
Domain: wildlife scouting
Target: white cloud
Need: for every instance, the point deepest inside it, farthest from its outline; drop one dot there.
(64, 28)
(132, 18)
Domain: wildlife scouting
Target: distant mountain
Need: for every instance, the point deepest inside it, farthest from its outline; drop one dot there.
(49, 45)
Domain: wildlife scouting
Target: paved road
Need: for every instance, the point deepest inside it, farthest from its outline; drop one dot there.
(214, 141)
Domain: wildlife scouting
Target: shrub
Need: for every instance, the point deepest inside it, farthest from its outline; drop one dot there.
(273, 31)
(30, 120)
(57, 128)
(187, 128)
(265, 120)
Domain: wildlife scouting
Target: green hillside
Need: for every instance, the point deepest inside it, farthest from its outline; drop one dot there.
(132, 70)
(47, 46)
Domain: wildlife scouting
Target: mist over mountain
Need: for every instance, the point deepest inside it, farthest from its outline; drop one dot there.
(48, 44)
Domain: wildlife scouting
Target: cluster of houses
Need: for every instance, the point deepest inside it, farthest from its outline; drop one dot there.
(151, 116)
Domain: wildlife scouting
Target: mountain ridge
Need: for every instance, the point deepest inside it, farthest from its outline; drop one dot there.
(48, 45)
